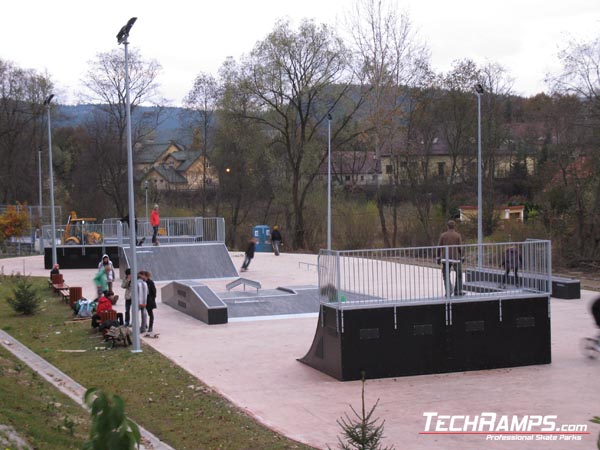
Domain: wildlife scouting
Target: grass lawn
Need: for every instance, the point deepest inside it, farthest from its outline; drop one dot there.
(40, 413)
(158, 394)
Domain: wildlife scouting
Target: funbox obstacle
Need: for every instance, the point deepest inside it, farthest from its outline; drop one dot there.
(388, 313)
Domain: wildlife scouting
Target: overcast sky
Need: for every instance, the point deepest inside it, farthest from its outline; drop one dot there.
(186, 37)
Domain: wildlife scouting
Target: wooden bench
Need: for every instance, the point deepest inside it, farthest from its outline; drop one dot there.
(65, 294)
(60, 287)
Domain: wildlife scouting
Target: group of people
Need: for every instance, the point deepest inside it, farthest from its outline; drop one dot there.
(276, 241)
(145, 290)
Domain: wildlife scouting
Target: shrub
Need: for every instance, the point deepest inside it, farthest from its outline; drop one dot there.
(111, 428)
(25, 298)
(362, 432)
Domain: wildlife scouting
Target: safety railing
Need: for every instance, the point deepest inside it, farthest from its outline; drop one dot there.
(172, 230)
(443, 273)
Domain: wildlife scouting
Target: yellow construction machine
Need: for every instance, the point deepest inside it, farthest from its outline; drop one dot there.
(75, 231)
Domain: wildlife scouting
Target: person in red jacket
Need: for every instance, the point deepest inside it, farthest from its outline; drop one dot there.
(155, 222)
(105, 303)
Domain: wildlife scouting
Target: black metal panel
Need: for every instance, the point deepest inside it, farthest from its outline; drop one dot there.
(420, 339)
(368, 343)
(81, 257)
(474, 336)
(566, 288)
(390, 341)
(526, 331)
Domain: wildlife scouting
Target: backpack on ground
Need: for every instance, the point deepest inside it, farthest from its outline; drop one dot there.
(120, 336)
(86, 308)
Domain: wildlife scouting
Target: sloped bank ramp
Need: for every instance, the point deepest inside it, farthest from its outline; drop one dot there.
(181, 262)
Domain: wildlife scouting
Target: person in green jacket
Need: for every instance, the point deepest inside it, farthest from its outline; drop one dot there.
(101, 280)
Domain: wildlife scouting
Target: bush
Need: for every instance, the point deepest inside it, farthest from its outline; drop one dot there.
(363, 431)
(25, 299)
(111, 428)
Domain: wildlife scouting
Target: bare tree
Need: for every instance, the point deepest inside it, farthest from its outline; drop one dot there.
(390, 60)
(580, 78)
(22, 126)
(203, 99)
(105, 81)
(296, 79)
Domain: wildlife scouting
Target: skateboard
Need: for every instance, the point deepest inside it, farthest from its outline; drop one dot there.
(152, 335)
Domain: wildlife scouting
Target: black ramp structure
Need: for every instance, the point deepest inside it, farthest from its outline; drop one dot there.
(196, 300)
(81, 256)
(181, 262)
(413, 339)
(477, 280)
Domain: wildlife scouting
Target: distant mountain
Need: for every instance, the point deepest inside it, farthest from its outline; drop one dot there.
(171, 127)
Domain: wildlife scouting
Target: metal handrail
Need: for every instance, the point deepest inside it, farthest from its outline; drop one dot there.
(445, 273)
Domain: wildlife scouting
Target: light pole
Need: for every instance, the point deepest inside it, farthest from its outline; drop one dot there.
(40, 185)
(329, 182)
(52, 218)
(479, 91)
(122, 37)
(146, 186)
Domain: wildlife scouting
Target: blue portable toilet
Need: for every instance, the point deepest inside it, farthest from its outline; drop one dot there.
(262, 233)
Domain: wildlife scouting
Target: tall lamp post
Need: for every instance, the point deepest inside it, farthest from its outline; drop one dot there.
(52, 218)
(329, 182)
(40, 185)
(122, 37)
(479, 91)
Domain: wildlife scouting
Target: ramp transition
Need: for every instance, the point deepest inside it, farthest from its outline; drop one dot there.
(181, 262)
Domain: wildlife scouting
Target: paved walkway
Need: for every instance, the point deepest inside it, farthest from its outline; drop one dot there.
(253, 363)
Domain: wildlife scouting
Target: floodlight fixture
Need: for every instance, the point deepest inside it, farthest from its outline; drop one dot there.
(124, 32)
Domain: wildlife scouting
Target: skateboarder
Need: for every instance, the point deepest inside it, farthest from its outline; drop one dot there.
(249, 254)
(151, 303)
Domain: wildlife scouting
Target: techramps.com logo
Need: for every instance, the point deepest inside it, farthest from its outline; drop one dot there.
(503, 427)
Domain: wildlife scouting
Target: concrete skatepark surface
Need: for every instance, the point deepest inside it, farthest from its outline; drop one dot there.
(253, 363)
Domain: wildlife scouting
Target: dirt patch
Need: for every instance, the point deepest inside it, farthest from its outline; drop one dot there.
(9, 438)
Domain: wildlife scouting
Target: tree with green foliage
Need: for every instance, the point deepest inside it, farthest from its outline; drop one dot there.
(25, 298)
(362, 432)
(111, 428)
